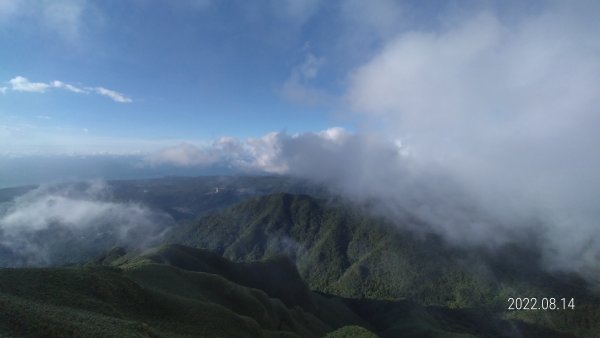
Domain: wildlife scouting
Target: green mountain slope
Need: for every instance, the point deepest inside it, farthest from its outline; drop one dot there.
(101, 302)
(291, 265)
(147, 296)
(277, 276)
(340, 250)
(177, 291)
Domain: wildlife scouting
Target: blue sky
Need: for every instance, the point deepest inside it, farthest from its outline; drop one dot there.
(190, 70)
(201, 83)
(187, 78)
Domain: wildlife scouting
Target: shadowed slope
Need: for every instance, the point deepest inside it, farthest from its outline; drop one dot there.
(147, 296)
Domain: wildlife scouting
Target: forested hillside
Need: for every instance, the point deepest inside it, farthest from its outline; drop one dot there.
(343, 250)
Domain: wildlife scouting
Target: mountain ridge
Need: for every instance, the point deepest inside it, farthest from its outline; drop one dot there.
(346, 252)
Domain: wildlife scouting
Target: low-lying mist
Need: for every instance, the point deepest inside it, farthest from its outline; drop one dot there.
(68, 223)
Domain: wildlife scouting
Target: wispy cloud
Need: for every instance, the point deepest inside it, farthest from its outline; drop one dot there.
(298, 88)
(65, 18)
(60, 84)
(113, 95)
(22, 84)
(295, 12)
(508, 109)
(185, 154)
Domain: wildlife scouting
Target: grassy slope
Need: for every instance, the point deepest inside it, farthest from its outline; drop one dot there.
(140, 297)
(341, 251)
(176, 291)
(102, 302)
(351, 331)
(277, 276)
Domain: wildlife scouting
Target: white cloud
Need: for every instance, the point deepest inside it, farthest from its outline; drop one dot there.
(74, 89)
(22, 84)
(32, 225)
(264, 154)
(64, 18)
(268, 153)
(481, 206)
(505, 109)
(254, 154)
(113, 95)
(486, 130)
(336, 134)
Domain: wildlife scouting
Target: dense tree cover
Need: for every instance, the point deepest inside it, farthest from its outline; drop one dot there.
(342, 250)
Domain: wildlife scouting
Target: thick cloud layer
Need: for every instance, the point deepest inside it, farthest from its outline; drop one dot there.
(483, 129)
(57, 224)
(366, 168)
(510, 110)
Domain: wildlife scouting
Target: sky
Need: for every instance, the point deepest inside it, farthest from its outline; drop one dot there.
(119, 77)
(479, 118)
(114, 76)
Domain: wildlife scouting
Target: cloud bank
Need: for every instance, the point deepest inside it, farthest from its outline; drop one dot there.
(480, 127)
(508, 110)
(22, 84)
(58, 224)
